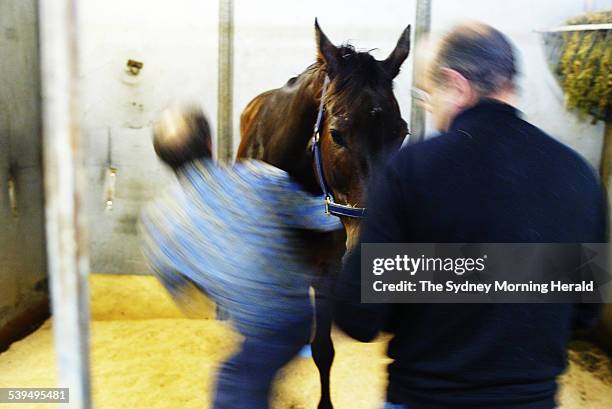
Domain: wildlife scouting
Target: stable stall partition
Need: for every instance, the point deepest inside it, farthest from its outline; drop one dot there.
(24, 301)
(39, 139)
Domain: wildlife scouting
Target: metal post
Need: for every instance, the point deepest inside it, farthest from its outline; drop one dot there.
(64, 210)
(422, 26)
(225, 140)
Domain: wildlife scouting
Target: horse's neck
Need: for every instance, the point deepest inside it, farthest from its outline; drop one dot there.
(302, 105)
(301, 101)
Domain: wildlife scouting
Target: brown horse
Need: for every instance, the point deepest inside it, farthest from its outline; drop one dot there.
(362, 121)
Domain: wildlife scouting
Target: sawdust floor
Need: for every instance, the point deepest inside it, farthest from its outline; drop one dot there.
(146, 354)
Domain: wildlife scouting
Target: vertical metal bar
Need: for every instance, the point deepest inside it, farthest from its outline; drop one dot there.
(225, 140)
(225, 72)
(65, 225)
(422, 26)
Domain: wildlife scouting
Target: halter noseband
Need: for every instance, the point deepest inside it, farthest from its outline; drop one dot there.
(331, 207)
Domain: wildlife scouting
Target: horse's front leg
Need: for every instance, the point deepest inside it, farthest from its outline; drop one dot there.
(322, 345)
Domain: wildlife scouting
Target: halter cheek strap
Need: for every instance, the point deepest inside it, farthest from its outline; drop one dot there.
(331, 207)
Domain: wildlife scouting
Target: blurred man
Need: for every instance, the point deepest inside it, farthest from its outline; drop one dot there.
(234, 233)
(490, 177)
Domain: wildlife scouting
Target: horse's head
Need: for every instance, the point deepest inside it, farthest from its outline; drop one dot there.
(362, 118)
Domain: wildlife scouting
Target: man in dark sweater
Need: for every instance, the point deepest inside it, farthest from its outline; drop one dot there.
(489, 177)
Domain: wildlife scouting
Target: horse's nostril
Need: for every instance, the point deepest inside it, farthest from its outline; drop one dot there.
(376, 111)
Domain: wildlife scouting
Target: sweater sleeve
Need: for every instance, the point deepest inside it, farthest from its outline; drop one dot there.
(156, 231)
(385, 223)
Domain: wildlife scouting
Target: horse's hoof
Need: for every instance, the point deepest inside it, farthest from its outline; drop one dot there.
(325, 405)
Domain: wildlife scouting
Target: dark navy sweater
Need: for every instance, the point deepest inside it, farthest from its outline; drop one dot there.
(492, 178)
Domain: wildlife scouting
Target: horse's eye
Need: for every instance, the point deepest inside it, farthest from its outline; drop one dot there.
(337, 138)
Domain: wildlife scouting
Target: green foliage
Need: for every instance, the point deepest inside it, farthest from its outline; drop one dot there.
(584, 67)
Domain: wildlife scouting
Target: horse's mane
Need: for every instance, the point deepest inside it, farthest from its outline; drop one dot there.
(359, 70)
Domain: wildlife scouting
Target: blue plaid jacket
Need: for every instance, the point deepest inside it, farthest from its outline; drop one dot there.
(232, 231)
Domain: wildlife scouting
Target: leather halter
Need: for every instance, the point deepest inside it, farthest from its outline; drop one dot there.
(331, 207)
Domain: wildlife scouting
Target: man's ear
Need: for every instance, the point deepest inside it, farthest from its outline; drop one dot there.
(328, 54)
(461, 88)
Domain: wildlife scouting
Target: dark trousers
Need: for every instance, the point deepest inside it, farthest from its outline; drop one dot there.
(244, 380)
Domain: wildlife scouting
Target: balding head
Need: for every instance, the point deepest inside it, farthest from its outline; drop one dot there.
(182, 135)
(479, 52)
(472, 62)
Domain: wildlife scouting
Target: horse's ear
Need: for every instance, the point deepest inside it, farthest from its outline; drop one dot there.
(327, 53)
(399, 54)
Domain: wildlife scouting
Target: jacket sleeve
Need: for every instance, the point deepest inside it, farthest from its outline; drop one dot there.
(587, 315)
(384, 223)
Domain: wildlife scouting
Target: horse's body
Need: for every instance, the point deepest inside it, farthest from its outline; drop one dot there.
(361, 121)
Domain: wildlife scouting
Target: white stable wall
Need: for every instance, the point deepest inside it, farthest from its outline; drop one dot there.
(177, 43)
(274, 40)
